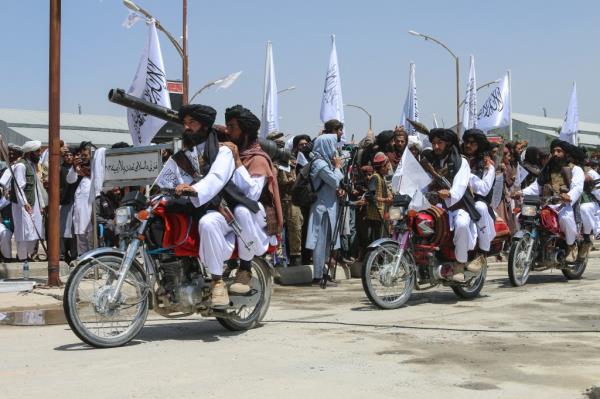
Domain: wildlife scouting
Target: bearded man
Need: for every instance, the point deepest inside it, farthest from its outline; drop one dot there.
(447, 161)
(562, 178)
(481, 182)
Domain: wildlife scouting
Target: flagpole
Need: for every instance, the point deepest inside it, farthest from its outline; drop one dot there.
(184, 72)
(510, 123)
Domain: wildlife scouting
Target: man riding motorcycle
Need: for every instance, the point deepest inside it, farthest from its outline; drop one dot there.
(447, 161)
(481, 182)
(217, 166)
(562, 178)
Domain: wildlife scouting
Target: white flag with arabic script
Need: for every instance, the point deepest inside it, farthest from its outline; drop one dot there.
(270, 110)
(469, 117)
(149, 84)
(495, 111)
(570, 127)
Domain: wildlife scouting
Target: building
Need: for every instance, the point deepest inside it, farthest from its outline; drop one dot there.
(18, 126)
(539, 131)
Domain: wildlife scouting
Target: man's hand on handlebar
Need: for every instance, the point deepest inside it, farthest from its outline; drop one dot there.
(184, 189)
(443, 194)
(564, 197)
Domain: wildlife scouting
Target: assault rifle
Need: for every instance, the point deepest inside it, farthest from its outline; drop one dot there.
(119, 96)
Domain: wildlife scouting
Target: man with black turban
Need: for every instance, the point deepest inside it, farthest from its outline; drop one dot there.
(211, 168)
(561, 177)
(256, 177)
(589, 201)
(481, 182)
(447, 161)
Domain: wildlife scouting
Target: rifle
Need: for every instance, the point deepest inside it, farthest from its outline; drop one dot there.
(468, 200)
(119, 96)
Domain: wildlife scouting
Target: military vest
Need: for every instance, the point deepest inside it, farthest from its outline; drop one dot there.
(559, 182)
(29, 189)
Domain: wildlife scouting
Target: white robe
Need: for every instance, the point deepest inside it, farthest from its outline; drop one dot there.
(25, 224)
(566, 216)
(486, 231)
(590, 210)
(82, 209)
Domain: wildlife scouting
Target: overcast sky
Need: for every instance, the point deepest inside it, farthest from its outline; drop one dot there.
(546, 44)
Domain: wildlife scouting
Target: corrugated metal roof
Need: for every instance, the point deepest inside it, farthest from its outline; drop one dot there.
(554, 123)
(584, 139)
(20, 117)
(73, 136)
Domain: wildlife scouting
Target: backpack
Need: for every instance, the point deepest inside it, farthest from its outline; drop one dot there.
(303, 192)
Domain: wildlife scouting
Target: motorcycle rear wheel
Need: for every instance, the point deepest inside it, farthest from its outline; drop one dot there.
(262, 281)
(383, 289)
(473, 289)
(518, 266)
(86, 308)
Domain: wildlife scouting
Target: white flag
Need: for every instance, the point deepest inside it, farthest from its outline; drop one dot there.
(169, 176)
(149, 84)
(495, 111)
(270, 110)
(569, 129)
(435, 122)
(411, 104)
(332, 105)
(131, 19)
(227, 80)
(409, 179)
(469, 117)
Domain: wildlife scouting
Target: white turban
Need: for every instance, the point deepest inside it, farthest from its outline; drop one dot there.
(414, 141)
(31, 146)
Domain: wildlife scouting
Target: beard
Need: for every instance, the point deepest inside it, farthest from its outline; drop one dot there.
(193, 138)
(34, 159)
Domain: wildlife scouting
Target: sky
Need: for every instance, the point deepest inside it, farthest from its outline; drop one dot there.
(546, 44)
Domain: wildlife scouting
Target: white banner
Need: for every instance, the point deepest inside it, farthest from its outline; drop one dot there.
(148, 84)
(469, 117)
(332, 105)
(170, 175)
(410, 178)
(411, 104)
(569, 129)
(270, 110)
(495, 111)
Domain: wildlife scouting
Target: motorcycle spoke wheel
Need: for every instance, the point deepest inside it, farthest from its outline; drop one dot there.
(518, 264)
(86, 303)
(386, 287)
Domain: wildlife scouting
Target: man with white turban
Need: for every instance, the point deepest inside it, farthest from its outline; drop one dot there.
(27, 201)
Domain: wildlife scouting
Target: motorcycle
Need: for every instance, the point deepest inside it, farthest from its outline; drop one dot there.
(420, 256)
(109, 293)
(539, 244)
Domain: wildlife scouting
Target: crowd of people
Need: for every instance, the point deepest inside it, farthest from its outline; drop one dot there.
(322, 207)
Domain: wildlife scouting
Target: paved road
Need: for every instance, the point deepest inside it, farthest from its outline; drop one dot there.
(539, 341)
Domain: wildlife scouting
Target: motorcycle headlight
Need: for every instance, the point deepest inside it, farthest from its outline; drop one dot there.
(528, 210)
(396, 213)
(123, 215)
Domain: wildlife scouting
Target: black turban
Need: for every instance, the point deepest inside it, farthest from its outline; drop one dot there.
(480, 138)
(444, 134)
(247, 121)
(568, 148)
(384, 137)
(202, 113)
(579, 154)
(299, 137)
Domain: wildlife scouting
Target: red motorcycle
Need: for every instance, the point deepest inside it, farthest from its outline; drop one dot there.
(109, 293)
(420, 256)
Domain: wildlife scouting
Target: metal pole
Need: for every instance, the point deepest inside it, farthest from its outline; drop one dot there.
(53, 232)
(184, 73)
(510, 125)
(457, 97)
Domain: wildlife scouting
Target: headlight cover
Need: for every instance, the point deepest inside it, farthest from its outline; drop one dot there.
(528, 210)
(396, 213)
(123, 215)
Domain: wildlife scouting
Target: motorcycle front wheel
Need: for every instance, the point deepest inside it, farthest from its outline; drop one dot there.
(88, 310)
(518, 264)
(386, 287)
(249, 317)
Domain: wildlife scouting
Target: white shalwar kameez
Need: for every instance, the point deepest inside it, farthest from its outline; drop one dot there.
(566, 216)
(217, 239)
(27, 226)
(82, 212)
(590, 210)
(5, 233)
(465, 231)
(486, 230)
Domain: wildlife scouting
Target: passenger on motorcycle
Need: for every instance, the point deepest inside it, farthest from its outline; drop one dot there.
(562, 178)
(481, 182)
(589, 202)
(448, 163)
(217, 166)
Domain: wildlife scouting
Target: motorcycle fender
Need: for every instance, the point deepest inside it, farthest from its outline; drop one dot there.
(380, 242)
(100, 251)
(520, 234)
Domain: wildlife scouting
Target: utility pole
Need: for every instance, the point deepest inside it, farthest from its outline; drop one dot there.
(53, 232)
